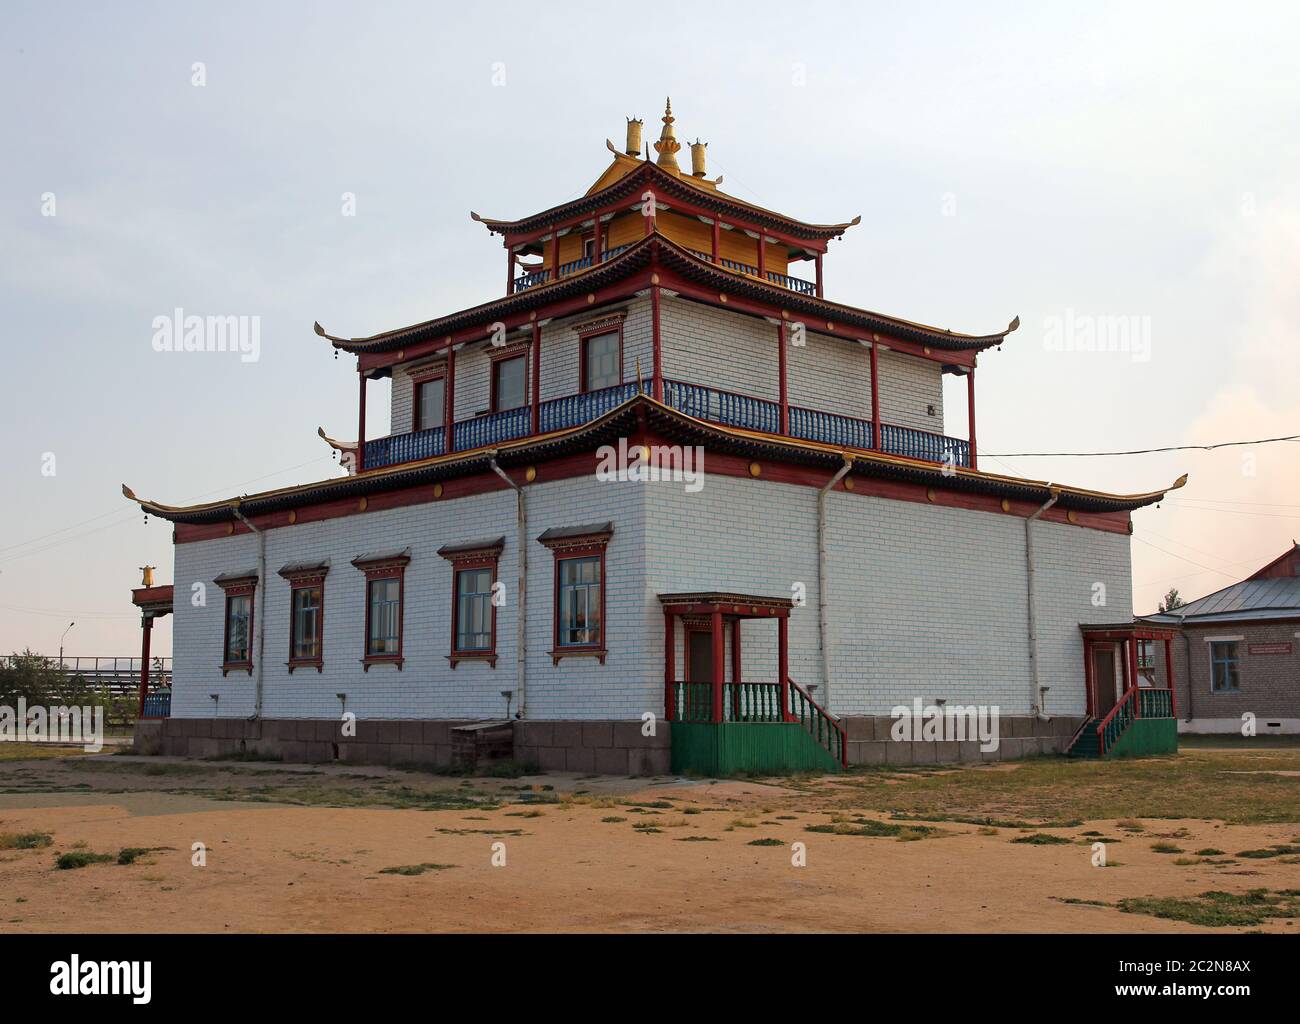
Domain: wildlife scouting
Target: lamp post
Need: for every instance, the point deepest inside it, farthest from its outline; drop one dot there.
(65, 633)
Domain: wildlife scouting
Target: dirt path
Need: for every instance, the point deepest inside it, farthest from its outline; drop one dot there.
(292, 868)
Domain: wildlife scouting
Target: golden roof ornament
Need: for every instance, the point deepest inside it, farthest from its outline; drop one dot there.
(667, 146)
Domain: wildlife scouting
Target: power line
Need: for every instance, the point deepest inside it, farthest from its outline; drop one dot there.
(1138, 451)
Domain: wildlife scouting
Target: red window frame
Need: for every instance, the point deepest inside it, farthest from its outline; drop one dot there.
(513, 352)
(418, 381)
(244, 586)
(585, 546)
(584, 337)
(306, 579)
(461, 559)
(393, 567)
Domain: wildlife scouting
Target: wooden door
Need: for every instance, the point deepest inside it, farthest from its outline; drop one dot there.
(1104, 685)
(699, 656)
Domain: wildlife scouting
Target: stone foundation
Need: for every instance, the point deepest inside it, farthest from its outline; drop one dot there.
(608, 748)
(1024, 736)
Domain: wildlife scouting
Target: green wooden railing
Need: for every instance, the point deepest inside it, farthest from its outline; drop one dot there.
(751, 702)
(1156, 703)
(692, 702)
(826, 730)
(1112, 727)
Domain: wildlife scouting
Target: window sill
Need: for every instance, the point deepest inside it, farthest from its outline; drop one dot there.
(316, 663)
(387, 659)
(237, 666)
(489, 656)
(577, 652)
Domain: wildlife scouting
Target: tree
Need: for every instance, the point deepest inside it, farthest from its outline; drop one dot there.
(1171, 600)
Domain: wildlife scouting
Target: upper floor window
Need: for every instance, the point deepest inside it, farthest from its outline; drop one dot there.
(306, 613)
(385, 581)
(579, 589)
(509, 383)
(430, 402)
(1224, 665)
(602, 361)
(237, 634)
(1146, 660)
(473, 600)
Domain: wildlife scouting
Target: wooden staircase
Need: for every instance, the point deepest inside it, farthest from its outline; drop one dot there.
(1141, 722)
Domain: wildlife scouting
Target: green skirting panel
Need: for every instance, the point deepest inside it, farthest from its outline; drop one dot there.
(708, 749)
(1147, 736)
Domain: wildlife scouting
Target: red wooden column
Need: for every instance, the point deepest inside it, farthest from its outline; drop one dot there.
(970, 412)
(762, 257)
(719, 664)
(510, 269)
(819, 275)
(1169, 676)
(595, 241)
(1089, 704)
(875, 399)
(537, 377)
(361, 420)
(657, 373)
(717, 238)
(146, 629)
(781, 369)
(735, 669)
(670, 668)
(783, 664)
(555, 254)
(1133, 675)
(449, 401)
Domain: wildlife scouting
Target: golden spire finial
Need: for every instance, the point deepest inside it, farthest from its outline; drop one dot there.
(667, 146)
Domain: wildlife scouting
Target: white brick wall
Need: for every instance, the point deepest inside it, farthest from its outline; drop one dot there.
(704, 345)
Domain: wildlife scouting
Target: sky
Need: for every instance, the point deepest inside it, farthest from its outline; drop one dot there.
(1088, 169)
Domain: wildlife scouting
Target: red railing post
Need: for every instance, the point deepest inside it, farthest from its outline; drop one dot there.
(875, 398)
(719, 665)
(783, 665)
(537, 378)
(361, 420)
(670, 670)
(736, 675)
(146, 628)
(1133, 675)
(781, 370)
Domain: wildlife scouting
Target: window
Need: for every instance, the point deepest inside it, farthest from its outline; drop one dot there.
(602, 361)
(1146, 659)
(237, 638)
(579, 585)
(430, 403)
(306, 613)
(385, 603)
(579, 589)
(509, 383)
(473, 604)
(1223, 667)
(239, 624)
(385, 576)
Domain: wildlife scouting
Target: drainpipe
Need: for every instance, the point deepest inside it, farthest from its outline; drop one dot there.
(261, 614)
(1036, 702)
(823, 627)
(521, 634)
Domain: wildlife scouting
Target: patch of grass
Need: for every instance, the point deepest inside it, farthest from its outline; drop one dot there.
(415, 869)
(525, 814)
(1164, 847)
(658, 804)
(1219, 909)
(765, 842)
(80, 859)
(646, 829)
(696, 839)
(130, 854)
(1081, 902)
(246, 755)
(1209, 851)
(872, 828)
(613, 819)
(1041, 839)
(743, 823)
(1276, 850)
(24, 840)
(1129, 825)
(481, 831)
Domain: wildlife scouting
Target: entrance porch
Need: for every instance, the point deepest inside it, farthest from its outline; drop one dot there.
(722, 724)
(1131, 711)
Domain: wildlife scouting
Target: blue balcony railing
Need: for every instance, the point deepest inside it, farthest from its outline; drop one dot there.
(828, 428)
(537, 277)
(493, 428)
(157, 705)
(723, 406)
(575, 410)
(421, 444)
(696, 400)
(529, 280)
(795, 284)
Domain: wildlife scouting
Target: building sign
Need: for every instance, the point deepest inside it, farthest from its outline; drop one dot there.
(1278, 648)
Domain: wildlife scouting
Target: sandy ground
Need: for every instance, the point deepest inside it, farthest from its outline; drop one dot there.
(278, 868)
